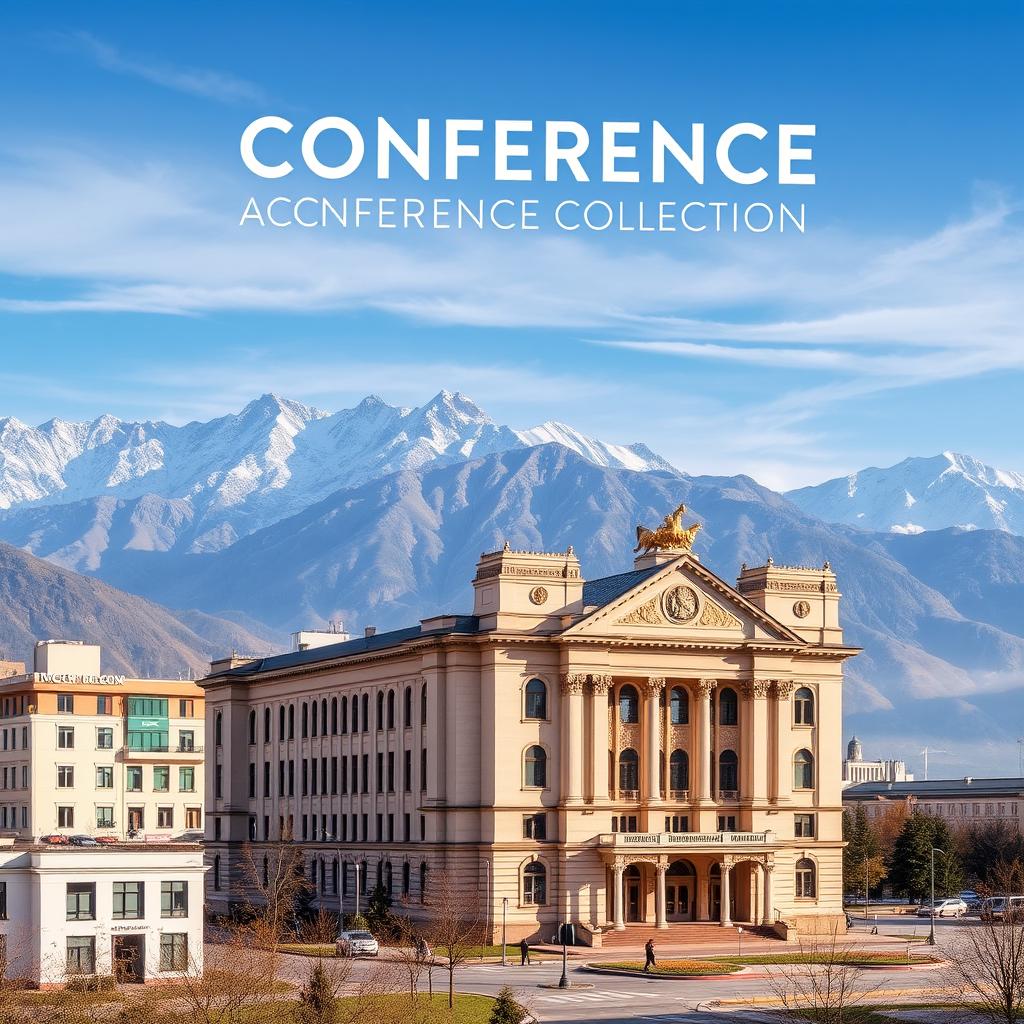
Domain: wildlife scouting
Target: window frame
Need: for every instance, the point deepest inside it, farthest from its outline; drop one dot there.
(529, 698)
(532, 872)
(139, 894)
(800, 706)
(170, 906)
(534, 760)
(86, 912)
(805, 869)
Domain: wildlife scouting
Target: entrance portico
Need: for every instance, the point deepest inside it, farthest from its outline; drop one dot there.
(691, 876)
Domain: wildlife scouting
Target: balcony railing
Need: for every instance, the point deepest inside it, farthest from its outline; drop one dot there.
(728, 794)
(629, 795)
(166, 749)
(681, 795)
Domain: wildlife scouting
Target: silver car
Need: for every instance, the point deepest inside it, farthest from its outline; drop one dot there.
(357, 944)
(954, 907)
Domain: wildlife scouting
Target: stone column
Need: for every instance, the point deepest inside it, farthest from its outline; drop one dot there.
(705, 688)
(783, 740)
(599, 686)
(755, 743)
(572, 737)
(661, 921)
(704, 895)
(655, 686)
(769, 910)
(618, 898)
(755, 896)
(726, 919)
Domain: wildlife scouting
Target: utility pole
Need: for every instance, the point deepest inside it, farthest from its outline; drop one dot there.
(1020, 756)
(926, 752)
(504, 910)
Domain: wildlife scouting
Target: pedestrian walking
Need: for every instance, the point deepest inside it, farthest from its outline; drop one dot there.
(649, 956)
(524, 953)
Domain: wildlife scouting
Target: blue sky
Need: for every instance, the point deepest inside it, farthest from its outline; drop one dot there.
(891, 328)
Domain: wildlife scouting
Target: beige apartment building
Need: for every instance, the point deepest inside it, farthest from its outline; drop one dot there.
(87, 753)
(650, 748)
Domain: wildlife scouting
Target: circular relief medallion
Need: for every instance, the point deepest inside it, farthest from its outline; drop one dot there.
(539, 595)
(801, 609)
(680, 604)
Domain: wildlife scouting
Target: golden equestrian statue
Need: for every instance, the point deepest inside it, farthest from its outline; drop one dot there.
(670, 536)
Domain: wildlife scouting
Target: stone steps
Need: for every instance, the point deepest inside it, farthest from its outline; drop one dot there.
(681, 934)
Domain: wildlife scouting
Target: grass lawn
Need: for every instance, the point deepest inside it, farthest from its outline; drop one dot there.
(479, 952)
(319, 949)
(687, 968)
(468, 1009)
(62, 997)
(852, 957)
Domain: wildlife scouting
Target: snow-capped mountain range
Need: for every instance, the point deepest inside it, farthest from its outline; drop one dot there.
(921, 494)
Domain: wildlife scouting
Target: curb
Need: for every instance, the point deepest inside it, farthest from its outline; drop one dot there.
(733, 975)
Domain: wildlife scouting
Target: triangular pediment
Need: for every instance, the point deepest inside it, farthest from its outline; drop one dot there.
(683, 600)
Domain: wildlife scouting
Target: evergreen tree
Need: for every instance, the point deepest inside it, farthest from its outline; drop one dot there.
(316, 1000)
(506, 1009)
(910, 864)
(378, 911)
(861, 845)
(949, 873)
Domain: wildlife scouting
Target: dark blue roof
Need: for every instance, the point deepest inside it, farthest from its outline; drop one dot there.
(379, 641)
(938, 788)
(608, 588)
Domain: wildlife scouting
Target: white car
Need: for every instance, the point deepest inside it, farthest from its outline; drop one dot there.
(954, 907)
(357, 944)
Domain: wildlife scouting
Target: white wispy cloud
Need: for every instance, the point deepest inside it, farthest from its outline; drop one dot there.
(204, 82)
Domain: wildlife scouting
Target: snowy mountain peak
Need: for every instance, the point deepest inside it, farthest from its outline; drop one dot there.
(920, 494)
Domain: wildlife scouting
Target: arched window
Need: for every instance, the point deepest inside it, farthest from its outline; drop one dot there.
(535, 884)
(218, 729)
(423, 882)
(803, 707)
(806, 884)
(216, 872)
(305, 719)
(536, 767)
(629, 704)
(629, 772)
(391, 709)
(536, 700)
(266, 725)
(355, 714)
(323, 717)
(334, 876)
(803, 770)
(423, 704)
(728, 774)
(728, 707)
(280, 722)
(252, 726)
(316, 722)
(323, 874)
(407, 708)
(406, 878)
(679, 706)
(344, 878)
(344, 716)
(388, 884)
(291, 721)
(366, 712)
(679, 771)
(380, 710)
(334, 716)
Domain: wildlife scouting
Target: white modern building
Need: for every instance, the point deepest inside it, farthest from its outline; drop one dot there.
(856, 770)
(128, 910)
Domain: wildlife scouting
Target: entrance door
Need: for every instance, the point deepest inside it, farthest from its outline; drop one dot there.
(716, 899)
(129, 956)
(632, 901)
(136, 819)
(677, 901)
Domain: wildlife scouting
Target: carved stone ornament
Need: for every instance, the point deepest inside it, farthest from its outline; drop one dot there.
(680, 604)
(647, 614)
(573, 682)
(539, 595)
(759, 688)
(783, 688)
(714, 615)
(801, 609)
(600, 684)
(654, 685)
(706, 687)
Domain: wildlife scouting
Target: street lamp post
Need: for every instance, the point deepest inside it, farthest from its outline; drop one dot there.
(357, 888)
(563, 981)
(931, 930)
(504, 910)
(865, 888)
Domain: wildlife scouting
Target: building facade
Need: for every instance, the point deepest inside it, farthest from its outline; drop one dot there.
(103, 755)
(132, 911)
(857, 770)
(963, 803)
(652, 747)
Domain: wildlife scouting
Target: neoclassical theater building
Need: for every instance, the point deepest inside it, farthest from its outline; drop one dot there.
(653, 747)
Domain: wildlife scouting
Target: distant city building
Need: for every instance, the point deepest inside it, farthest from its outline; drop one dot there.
(83, 752)
(128, 910)
(857, 770)
(652, 747)
(967, 801)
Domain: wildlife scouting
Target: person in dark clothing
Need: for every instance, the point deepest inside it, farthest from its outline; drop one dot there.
(649, 955)
(524, 953)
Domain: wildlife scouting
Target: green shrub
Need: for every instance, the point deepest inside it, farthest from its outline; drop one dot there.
(317, 1004)
(506, 1009)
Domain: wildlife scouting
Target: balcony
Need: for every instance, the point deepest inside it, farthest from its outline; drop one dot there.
(629, 795)
(162, 751)
(681, 796)
(728, 795)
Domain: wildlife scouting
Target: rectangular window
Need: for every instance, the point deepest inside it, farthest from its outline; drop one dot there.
(136, 819)
(104, 705)
(105, 739)
(334, 776)
(218, 781)
(104, 817)
(677, 823)
(65, 776)
(66, 737)
(380, 773)
(81, 954)
(803, 826)
(66, 703)
(535, 826)
(406, 828)
(187, 779)
(366, 773)
(266, 778)
(186, 708)
(186, 739)
(161, 778)
(407, 774)
(133, 779)
(391, 772)
(174, 899)
(252, 780)
(174, 952)
(65, 817)
(128, 897)
(147, 707)
(193, 818)
(3, 901)
(165, 817)
(104, 776)
(81, 901)
(423, 771)
(727, 823)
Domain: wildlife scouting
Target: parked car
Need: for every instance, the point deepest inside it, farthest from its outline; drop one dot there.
(55, 839)
(999, 908)
(357, 944)
(106, 840)
(82, 841)
(953, 907)
(192, 836)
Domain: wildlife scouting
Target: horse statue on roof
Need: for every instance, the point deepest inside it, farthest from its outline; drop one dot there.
(670, 536)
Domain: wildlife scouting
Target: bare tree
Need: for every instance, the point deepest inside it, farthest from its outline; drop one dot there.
(454, 924)
(826, 986)
(412, 952)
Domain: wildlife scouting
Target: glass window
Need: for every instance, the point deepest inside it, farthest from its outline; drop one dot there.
(803, 770)
(186, 739)
(173, 952)
(81, 954)
(535, 884)
(165, 817)
(536, 767)
(728, 708)
(629, 774)
(81, 901)
(128, 905)
(105, 738)
(803, 826)
(679, 706)
(187, 778)
(104, 776)
(679, 771)
(727, 771)
(66, 737)
(535, 826)
(104, 817)
(65, 776)
(133, 778)
(186, 708)
(161, 778)
(104, 705)
(805, 881)
(174, 899)
(629, 705)
(803, 707)
(66, 703)
(536, 700)
(65, 817)
(3, 901)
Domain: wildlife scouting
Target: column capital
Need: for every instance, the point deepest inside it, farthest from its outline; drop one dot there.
(756, 689)
(600, 683)
(654, 685)
(662, 867)
(619, 866)
(572, 682)
(783, 688)
(706, 687)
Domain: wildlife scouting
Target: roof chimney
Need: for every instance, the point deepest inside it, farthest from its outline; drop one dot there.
(369, 631)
